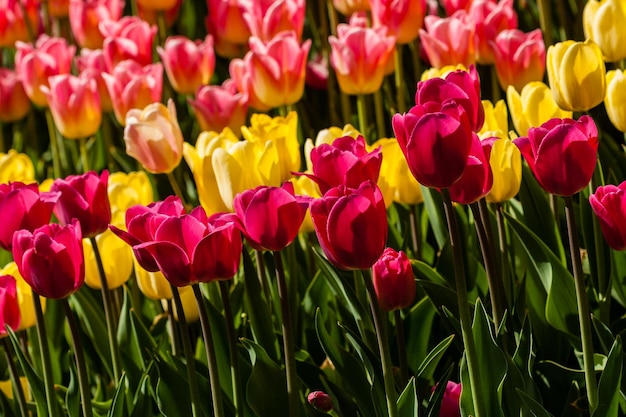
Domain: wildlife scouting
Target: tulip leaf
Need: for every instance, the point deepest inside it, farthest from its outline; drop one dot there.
(118, 405)
(428, 365)
(72, 396)
(610, 382)
(618, 276)
(419, 324)
(141, 398)
(434, 402)
(172, 391)
(535, 408)
(434, 207)
(408, 404)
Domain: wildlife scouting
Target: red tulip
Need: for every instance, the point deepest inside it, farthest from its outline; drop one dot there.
(394, 281)
(477, 178)
(351, 225)
(561, 153)
(51, 259)
(23, 207)
(9, 307)
(14, 103)
(609, 205)
(84, 197)
(271, 216)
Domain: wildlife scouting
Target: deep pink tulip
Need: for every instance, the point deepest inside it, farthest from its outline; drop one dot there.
(490, 18)
(436, 144)
(344, 162)
(320, 401)
(317, 72)
(451, 402)
(86, 15)
(188, 64)
(449, 40)
(561, 153)
(393, 280)
(14, 103)
(22, 206)
(84, 197)
(477, 178)
(519, 57)
(451, 6)
(51, 259)
(351, 225)
(267, 18)
(609, 204)
(128, 38)
(222, 106)
(271, 216)
(9, 307)
(401, 18)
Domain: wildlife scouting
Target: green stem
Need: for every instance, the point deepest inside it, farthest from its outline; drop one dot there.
(108, 312)
(361, 109)
(465, 317)
(81, 367)
(415, 56)
(503, 250)
(232, 348)
(177, 190)
(54, 147)
(260, 270)
(192, 378)
(288, 338)
(495, 85)
(399, 79)
(46, 363)
(209, 347)
(584, 317)
(415, 232)
(106, 135)
(175, 337)
(383, 347)
(162, 26)
(401, 340)
(380, 115)
(604, 283)
(3, 146)
(545, 21)
(15, 378)
(84, 157)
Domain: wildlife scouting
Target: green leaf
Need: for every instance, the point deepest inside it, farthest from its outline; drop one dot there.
(434, 207)
(141, 401)
(419, 324)
(610, 381)
(172, 391)
(429, 364)
(434, 403)
(118, 406)
(408, 404)
(72, 396)
(535, 408)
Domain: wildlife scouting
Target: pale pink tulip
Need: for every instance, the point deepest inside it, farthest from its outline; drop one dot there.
(222, 106)
(449, 41)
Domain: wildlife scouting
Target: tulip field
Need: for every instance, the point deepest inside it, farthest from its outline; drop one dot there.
(354, 208)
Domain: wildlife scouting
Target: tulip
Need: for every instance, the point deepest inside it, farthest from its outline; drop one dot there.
(23, 207)
(451, 6)
(490, 19)
(75, 105)
(505, 160)
(395, 181)
(320, 401)
(496, 120)
(393, 280)
(577, 74)
(451, 402)
(359, 56)
(217, 107)
(188, 64)
(117, 261)
(132, 86)
(449, 41)
(90, 63)
(242, 78)
(14, 103)
(351, 225)
(603, 23)
(304, 186)
(267, 18)
(533, 107)
(127, 190)
(58, 8)
(615, 102)
(128, 38)
(15, 166)
(157, 5)
(51, 259)
(477, 178)
(24, 297)
(225, 21)
(153, 137)
(84, 17)
(349, 7)
(609, 205)
(49, 56)
(562, 154)
(13, 23)
(9, 307)
(271, 217)
(317, 72)
(328, 136)
(441, 72)
(402, 18)
(519, 57)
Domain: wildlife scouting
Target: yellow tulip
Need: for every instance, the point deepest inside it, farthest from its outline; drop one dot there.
(190, 306)
(7, 388)
(577, 74)
(533, 107)
(328, 136)
(303, 185)
(24, 296)
(395, 181)
(603, 23)
(506, 166)
(127, 190)
(615, 100)
(117, 260)
(441, 72)
(15, 166)
(496, 120)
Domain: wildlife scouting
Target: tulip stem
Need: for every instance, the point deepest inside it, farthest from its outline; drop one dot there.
(383, 347)
(209, 347)
(380, 116)
(495, 85)
(79, 356)
(107, 302)
(173, 328)
(465, 317)
(503, 250)
(84, 157)
(545, 21)
(288, 338)
(260, 270)
(362, 114)
(46, 363)
(176, 187)
(54, 147)
(399, 79)
(162, 26)
(415, 232)
(15, 378)
(401, 340)
(232, 348)
(583, 306)
(192, 378)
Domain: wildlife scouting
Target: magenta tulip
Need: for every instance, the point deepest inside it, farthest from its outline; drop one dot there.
(84, 197)
(271, 216)
(609, 205)
(9, 307)
(451, 402)
(351, 225)
(477, 179)
(394, 281)
(562, 154)
(51, 259)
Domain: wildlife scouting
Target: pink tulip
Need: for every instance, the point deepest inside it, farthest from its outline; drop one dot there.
(267, 18)
(394, 282)
(150, 13)
(9, 306)
(85, 16)
(562, 154)
(402, 18)
(242, 78)
(226, 23)
(222, 106)
(609, 205)
(519, 57)
(449, 41)
(349, 7)
(477, 178)
(451, 402)
(128, 38)
(188, 64)
(320, 401)
(13, 25)
(490, 18)
(91, 62)
(451, 6)
(14, 103)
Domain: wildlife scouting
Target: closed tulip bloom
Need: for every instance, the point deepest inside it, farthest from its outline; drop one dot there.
(128, 190)
(271, 216)
(84, 198)
(327, 136)
(128, 38)
(359, 56)
(449, 40)
(188, 64)
(451, 6)
(533, 107)
(401, 18)
(519, 57)
(220, 106)
(477, 177)
(577, 74)
(75, 105)
(609, 205)
(85, 17)
(395, 180)
(226, 22)
(23, 207)
(506, 165)
(13, 26)
(132, 86)
(305, 186)
(157, 5)
(15, 166)
(51, 259)
(267, 18)
(496, 120)
(351, 225)
(9, 307)
(241, 75)
(348, 7)
(24, 297)
(117, 261)
(90, 63)
(14, 103)
(153, 137)
(320, 401)
(615, 100)
(451, 401)
(562, 154)
(603, 23)
(394, 282)
(490, 18)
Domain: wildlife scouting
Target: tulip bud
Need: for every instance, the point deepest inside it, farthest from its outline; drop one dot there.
(217, 107)
(9, 307)
(188, 64)
(24, 297)
(14, 103)
(451, 402)
(393, 280)
(609, 204)
(321, 401)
